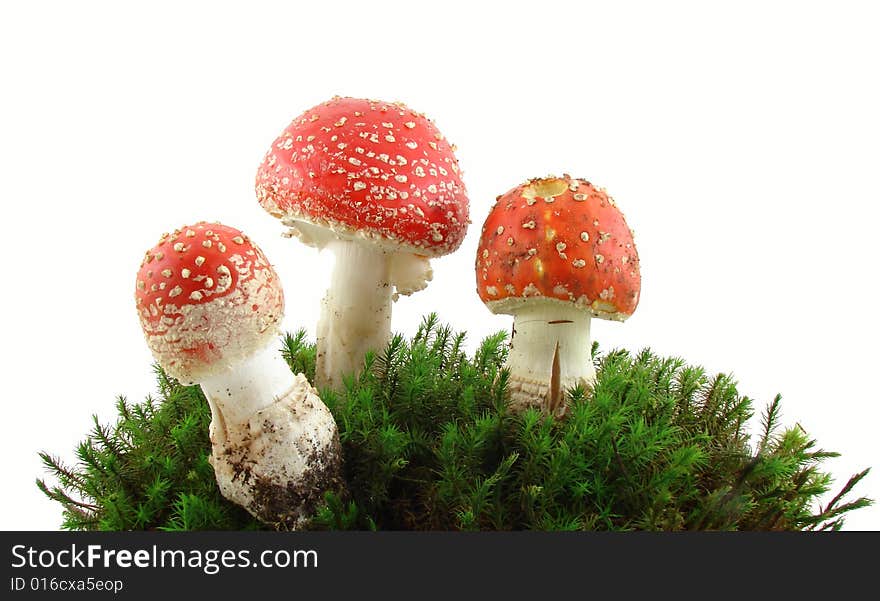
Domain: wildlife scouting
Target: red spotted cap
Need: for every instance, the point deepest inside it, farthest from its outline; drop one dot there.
(207, 297)
(367, 169)
(562, 240)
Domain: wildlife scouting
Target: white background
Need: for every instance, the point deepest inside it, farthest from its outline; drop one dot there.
(742, 143)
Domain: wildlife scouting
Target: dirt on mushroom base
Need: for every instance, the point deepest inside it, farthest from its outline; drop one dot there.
(286, 506)
(273, 503)
(279, 465)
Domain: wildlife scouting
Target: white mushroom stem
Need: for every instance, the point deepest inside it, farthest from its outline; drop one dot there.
(275, 446)
(550, 353)
(368, 275)
(356, 311)
(244, 388)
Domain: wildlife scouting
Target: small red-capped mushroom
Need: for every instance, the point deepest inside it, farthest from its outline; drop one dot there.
(210, 305)
(207, 299)
(380, 186)
(555, 252)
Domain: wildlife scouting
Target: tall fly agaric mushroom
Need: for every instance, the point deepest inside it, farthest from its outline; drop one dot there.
(210, 305)
(379, 185)
(555, 252)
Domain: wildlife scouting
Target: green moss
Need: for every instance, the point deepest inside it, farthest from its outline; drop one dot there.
(428, 444)
(149, 471)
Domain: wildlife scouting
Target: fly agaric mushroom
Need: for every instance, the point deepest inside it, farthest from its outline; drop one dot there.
(379, 185)
(553, 253)
(210, 305)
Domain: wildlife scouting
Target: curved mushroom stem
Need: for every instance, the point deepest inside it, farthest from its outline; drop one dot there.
(550, 353)
(274, 444)
(244, 388)
(355, 313)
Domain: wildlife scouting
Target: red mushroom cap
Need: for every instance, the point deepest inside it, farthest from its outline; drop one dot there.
(207, 297)
(366, 168)
(558, 239)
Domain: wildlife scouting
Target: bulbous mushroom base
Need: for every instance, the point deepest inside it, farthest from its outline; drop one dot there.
(280, 462)
(526, 393)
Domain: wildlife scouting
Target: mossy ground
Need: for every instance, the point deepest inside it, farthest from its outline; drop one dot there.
(428, 445)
